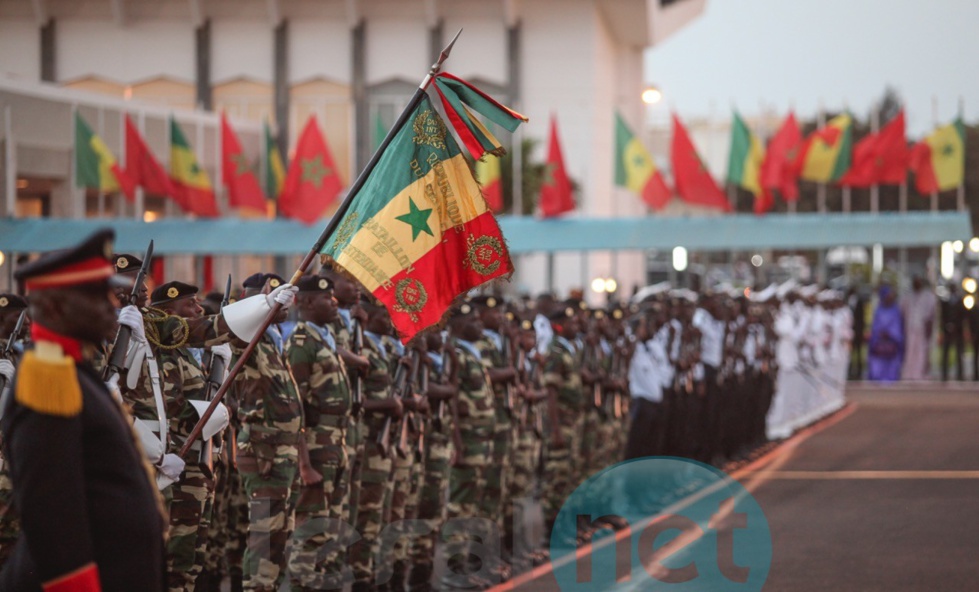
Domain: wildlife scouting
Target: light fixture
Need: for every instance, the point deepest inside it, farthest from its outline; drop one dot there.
(957, 246)
(2, 258)
(652, 95)
(149, 216)
(946, 264)
(756, 260)
(974, 244)
(969, 285)
(969, 301)
(598, 285)
(679, 258)
(611, 285)
(22, 183)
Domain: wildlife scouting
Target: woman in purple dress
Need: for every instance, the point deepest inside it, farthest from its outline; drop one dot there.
(886, 351)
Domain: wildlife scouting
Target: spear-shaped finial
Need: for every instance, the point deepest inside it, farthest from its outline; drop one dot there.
(437, 66)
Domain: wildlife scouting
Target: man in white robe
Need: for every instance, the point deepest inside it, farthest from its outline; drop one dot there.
(918, 309)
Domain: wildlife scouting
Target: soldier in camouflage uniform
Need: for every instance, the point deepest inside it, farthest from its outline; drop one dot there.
(270, 446)
(564, 417)
(321, 378)
(475, 420)
(375, 478)
(11, 306)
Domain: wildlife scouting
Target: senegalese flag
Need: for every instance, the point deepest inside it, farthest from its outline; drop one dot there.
(635, 169)
(488, 174)
(826, 153)
(275, 169)
(95, 166)
(938, 161)
(746, 156)
(192, 188)
(419, 233)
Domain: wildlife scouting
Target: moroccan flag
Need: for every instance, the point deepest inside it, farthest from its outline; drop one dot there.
(95, 167)
(488, 175)
(555, 192)
(635, 169)
(191, 186)
(142, 167)
(880, 157)
(418, 233)
(745, 158)
(275, 170)
(938, 161)
(825, 155)
(693, 180)
(312, 182)
(236, 172)
(777, 169)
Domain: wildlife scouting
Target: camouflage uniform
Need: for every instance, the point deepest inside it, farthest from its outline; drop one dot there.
(9, 518)
(375, 477)
(525, 455)
(560, 373)
(271, 422)
(350, 480)
(467, 480)
(325, 392)
(495, 501)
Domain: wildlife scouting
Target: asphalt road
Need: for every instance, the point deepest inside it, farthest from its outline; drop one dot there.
(885, 499)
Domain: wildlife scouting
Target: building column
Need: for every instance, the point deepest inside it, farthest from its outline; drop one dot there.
(280, 82)
(48, 62)
(202, 55)
(358, 87)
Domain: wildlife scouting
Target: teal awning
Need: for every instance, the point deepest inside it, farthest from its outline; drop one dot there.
(233, 236)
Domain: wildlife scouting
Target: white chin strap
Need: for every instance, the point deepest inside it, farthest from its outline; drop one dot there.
(245, 317)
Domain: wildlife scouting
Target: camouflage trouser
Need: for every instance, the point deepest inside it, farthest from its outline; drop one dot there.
(431, 497)
(313, 565)
(467, 483)
(217, 533)
(525, 457)
(375, 494)
(9, 518)
(237, 523)
(351, 479)
(403, 468)
(560, 476)
(495, 500)
(192, 496)
(591, 443)
(271, 511)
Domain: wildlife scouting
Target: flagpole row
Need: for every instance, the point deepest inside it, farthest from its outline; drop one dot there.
(331, 227)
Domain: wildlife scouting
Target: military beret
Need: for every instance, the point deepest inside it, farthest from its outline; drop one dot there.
(462, 309)
(11, 303)
(576, 303)
(171, 291)
(126, 263)
(486, 301)
(314, 283)
(256, 281)
(85, 263)
(616, 313)
(562, 313)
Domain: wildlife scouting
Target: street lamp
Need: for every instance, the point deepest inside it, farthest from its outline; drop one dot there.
(679, 258)
(652, 95)
(606, 286)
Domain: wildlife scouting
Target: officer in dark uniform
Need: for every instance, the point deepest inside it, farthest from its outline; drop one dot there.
(954, 314)
(91, 516)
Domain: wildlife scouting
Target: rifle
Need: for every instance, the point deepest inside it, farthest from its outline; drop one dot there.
(420, 445)
(445, 377)
(357, 392)
(120, 346)
(9, 346)
(215, 376)
(401, 376)
(522, 378)
(408, 418)
(508, 387)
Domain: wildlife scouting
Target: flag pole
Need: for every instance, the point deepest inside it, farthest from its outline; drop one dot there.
(331, 227)
(821, 186)
(875, 188)
(960, 190)
(10, 166)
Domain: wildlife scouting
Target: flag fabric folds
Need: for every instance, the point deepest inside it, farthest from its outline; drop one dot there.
(192, 188)
(938, 161)
(236, 172)
(880, 158)
(274, 172)
(635, 169)
(488, 174)
(693, 181)
(744, 162)
(95, 166)
(460, 99)
(778, 167)
(419, 233)
(555, 193)
(826, 153)
(142, 167)
(313, 182)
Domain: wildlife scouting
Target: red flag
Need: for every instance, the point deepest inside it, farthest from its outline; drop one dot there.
(691, 177)
(880, 158)
(142, 167)
(555, 193)
(313, 182)
(777, 171)
(243, 189)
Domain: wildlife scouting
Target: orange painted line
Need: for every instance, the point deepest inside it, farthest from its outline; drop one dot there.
(754, 466)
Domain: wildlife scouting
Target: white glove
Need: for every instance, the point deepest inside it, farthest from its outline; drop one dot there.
(284, 295)
(222, 351)
(130, 317)
(170, 469)
(7, 370)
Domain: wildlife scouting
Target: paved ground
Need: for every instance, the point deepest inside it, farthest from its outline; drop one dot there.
(885, 499)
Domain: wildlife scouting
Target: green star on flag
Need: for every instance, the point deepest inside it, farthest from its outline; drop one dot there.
(241, 164)
(314, 171)
(417, 219)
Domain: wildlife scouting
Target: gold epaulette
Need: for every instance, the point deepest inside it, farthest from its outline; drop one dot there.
(47, 382)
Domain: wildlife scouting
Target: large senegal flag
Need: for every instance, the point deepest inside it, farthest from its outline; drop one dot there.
(635, 169)
(95, 167)
(826, 153)
(745, 158)
(419, 233)
(938, 161)
(275, 169)
(191, 186)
